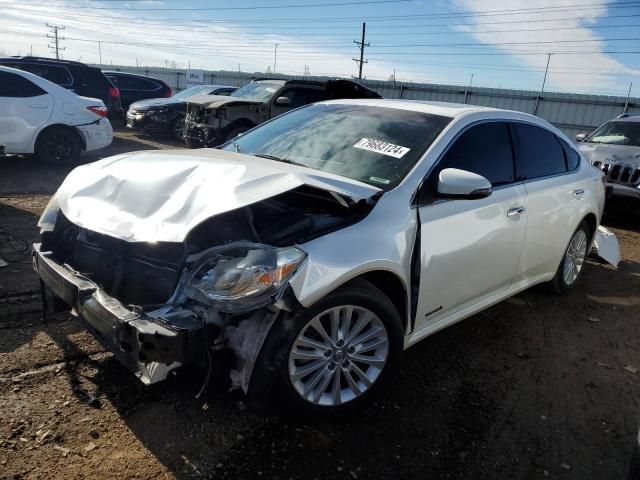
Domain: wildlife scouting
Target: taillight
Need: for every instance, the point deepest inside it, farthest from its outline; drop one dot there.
(114, 92)
(169, 93)
(100, 111)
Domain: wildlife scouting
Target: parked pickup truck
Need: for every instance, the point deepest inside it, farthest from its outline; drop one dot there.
(214, 120)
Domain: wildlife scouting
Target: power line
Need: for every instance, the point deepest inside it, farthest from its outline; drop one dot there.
(55, 38)
(517, 11)
(259, 7)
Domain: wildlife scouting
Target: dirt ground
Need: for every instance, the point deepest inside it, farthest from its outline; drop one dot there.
(535, 387)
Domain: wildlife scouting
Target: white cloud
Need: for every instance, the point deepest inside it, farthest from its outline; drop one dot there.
(561, 66)
(212, 46)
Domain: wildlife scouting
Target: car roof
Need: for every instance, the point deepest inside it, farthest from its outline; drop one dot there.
(437, 108)
(44, 60)
(627, 117)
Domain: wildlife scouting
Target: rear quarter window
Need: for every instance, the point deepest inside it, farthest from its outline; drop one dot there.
(572, 157)
(91, 78)
(538, 152)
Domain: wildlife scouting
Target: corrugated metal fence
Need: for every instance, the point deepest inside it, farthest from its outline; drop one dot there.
(573, 113)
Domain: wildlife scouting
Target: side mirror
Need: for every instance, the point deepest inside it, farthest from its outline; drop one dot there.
(460, 184)
(283, 101)
(581, 137)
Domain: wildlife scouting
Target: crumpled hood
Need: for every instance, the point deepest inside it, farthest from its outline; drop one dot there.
(217, 101)
(607, 153)
(161, 195)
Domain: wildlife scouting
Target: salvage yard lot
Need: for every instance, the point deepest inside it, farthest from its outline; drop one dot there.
(538, 386)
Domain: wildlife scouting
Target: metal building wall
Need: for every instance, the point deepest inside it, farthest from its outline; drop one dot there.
(572, 113)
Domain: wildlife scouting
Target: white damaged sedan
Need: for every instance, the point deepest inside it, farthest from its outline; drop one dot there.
(318, 246)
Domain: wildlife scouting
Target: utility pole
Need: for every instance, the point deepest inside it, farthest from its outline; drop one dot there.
(275, 58)
(55, 38)
(544, 81)
(468, 90)
(626, 103)
(361, 46)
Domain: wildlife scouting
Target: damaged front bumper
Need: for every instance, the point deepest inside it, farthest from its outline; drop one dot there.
(149, 347)
(204, 127)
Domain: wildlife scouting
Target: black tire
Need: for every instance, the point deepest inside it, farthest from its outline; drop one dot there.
(234, 132)
(191, 143)
(358, 293)
(559, 283)
(177, 131)
(58, 145)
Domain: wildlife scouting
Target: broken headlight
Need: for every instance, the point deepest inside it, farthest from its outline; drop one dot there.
(243, 276)
(48, 218)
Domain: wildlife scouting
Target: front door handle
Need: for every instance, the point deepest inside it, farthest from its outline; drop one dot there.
(516, 211)
(578, 191)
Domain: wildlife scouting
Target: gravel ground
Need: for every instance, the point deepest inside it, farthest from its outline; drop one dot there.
(535, 387)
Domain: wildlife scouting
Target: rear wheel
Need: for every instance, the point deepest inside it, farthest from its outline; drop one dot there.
(59, 145)
(340, 351)
(572, 263)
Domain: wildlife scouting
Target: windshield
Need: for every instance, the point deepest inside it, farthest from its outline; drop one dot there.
(257, 91)
(618, 133)
(374, 145)
(189, 92)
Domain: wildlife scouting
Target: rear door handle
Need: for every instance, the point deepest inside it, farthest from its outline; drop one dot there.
(39, 107)
(516, 211)
(578, 191)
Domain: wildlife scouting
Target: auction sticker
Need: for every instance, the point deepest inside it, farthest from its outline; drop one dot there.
(378, 146)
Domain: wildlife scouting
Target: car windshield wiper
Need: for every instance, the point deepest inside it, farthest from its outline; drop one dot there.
(280, 159)
(237, 147)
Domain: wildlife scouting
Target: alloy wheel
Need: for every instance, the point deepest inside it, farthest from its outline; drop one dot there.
(574, 257)
(59, 146)
(338, 355)
(178, 128)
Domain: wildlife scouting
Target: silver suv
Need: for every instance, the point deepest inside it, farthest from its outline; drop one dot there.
(615, 149)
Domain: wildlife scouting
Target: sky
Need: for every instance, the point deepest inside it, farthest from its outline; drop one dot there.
(594, 46)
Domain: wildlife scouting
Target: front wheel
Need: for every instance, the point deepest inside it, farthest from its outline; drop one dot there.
(341, 351)
(573, 261)
(177, 128)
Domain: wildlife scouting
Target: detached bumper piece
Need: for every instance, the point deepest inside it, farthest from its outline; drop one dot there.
(149, 347)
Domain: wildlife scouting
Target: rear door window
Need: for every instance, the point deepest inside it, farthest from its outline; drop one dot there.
(484, 149)
(538, 152)
(54, 73)
(15, 86)
(126, 82)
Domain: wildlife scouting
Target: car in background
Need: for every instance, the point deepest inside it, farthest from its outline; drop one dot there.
(78, 77)
(38, 116)
(166, 115)
(135, 87)
(318, 246)
(213, 121)
(614, 148)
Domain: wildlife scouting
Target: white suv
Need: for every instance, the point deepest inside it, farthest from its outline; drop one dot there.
(319, 245)
(38, 116)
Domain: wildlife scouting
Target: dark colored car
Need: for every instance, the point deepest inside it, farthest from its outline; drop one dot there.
(211, 121)
(135, 87)
(166, 115)
(78, 77)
